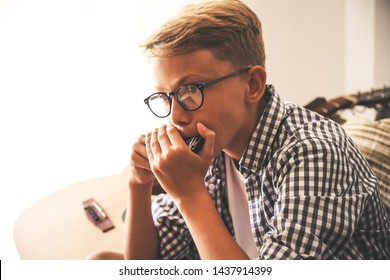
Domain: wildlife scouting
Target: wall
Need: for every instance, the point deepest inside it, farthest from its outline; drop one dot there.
(305, 46)
(325, 48)
(360, 45)
(382, 43)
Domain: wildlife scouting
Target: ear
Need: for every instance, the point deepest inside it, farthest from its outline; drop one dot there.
(257, 79)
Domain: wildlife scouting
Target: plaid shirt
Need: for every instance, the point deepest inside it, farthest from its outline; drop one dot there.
(311, 194)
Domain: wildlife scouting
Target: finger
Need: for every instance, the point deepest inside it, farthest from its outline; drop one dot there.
(138, 160)
(209, 136)
(174, 136)
(163, 138)
(148, 148)
(139, 147)
(154, 144)
(141, 139)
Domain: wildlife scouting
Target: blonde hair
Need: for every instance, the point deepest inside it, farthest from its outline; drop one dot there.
(228, 28)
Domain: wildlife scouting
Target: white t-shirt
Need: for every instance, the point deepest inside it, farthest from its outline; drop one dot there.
(238, 208)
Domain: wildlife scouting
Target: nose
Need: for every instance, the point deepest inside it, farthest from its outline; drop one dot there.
(179, 116)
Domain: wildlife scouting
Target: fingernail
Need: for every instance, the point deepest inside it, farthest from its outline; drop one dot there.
(201, 126)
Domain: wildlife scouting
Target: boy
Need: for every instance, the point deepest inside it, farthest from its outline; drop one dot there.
(272, 180)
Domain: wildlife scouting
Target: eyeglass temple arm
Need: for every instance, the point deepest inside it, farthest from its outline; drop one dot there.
(238, 72)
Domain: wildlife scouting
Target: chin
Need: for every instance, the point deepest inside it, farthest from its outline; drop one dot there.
(217, 149)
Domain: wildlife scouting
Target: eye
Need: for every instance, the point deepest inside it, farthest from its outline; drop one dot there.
(164, 97)
(189, 96)
(154, 97)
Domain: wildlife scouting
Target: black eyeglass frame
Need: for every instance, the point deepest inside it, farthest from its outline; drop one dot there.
(200, 86)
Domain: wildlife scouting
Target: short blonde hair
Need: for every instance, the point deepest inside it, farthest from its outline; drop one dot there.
(228, 28)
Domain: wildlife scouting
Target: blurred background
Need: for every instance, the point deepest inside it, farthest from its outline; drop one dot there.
(73, 79)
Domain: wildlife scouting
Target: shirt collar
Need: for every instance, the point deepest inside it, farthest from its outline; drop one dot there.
(258, 151)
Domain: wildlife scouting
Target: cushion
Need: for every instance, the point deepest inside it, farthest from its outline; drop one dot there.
(373, 140)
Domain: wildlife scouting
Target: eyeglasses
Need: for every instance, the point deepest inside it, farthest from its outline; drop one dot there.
(190, 97)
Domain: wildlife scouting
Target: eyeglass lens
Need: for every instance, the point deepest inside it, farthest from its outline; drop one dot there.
(159, 103)
(190, 97)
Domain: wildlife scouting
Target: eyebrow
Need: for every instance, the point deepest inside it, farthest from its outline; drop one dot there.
(184, 81)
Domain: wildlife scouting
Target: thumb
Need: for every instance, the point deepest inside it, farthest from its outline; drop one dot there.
(209, 136)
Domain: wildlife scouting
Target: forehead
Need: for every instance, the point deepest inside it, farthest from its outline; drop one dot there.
(171, 72)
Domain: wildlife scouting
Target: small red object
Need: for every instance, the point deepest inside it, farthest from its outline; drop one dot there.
(96, 215)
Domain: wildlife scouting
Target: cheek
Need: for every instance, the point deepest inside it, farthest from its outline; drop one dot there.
(224, 125)
(222, 112)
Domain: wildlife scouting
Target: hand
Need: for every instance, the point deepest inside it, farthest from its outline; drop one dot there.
(141, 173)
(179, 170)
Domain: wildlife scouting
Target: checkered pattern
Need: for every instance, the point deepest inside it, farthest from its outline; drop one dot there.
(311, 193)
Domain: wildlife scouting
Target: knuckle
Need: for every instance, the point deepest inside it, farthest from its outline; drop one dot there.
(171, 128)
(158, 166)
(154, 143)
(162, 135)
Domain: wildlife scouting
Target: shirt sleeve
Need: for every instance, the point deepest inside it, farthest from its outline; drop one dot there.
(319, 198)
(175, 241)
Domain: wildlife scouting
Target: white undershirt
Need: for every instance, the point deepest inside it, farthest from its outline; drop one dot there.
(238, 208)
